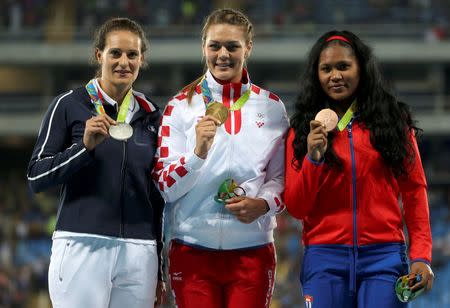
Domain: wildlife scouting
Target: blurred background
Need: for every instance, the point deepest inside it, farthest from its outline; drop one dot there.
(45, 49)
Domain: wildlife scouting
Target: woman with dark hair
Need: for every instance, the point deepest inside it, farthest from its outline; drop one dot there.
(220, 165)
(98, 142)
(344, 183)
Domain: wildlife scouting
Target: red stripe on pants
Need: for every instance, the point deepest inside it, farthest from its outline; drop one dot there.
(222, 278)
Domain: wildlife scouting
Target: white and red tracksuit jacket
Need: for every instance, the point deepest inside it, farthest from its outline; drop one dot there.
(248, 147)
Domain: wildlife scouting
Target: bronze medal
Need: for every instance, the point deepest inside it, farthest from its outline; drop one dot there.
(328, 117)
(218, 111)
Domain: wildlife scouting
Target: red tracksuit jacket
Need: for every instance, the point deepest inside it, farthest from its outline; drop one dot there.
(359, 204)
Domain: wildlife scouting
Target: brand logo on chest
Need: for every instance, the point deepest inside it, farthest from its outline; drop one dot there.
(260, 119)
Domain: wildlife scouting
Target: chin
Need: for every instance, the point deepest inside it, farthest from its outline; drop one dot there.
(124, 81)
(339, 98)
(225, 76)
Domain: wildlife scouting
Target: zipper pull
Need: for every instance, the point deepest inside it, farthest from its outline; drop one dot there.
(349, 128)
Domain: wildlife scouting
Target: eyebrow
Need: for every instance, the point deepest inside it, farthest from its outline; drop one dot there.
(337, 62)
(227, 42)
(120, 49)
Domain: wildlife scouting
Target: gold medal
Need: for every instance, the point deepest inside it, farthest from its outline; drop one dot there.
(218, 111)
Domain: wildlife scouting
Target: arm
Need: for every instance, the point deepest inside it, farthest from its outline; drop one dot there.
(54, 158)
(301, 186)
(268, 200)
(417, 218)
(415, 204)
(273, 186)
(177, 168)
(158, 208)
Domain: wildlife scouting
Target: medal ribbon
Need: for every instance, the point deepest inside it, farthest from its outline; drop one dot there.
(207, 97)
(96, 100)
(343, 122)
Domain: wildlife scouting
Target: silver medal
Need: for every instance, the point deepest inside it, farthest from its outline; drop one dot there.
(121, 131)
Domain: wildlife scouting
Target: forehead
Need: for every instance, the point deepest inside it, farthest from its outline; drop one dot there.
(122, 39)
(225, 32)
(336, 53)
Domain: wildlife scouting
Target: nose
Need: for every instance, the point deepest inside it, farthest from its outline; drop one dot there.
(123, 60)
(336, 75)
(223, 52)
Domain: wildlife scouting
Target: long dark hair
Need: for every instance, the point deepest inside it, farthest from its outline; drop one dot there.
(388, 120)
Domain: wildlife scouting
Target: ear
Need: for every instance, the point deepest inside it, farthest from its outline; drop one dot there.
(98, 55)
(248, 52)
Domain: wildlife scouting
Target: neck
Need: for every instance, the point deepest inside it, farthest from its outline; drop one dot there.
(341, 107)
(236, 79)
(117, 93)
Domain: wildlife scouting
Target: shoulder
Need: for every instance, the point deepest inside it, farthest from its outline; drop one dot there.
(269, 101)
(69, 98)
(265, 94)
(145, 102)
(182, 98)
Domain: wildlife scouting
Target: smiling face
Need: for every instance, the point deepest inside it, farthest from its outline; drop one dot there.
(225, 49)
(120, 60)
(339, 73)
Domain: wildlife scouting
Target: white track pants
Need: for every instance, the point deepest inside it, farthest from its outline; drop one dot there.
(91, 272)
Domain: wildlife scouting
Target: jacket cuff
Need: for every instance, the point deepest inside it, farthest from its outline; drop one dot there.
(420, 260)
(276, 206)
(316, 163)
(86, 156)
(194, 162)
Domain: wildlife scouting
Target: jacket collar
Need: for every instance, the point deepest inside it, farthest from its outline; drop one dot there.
(223, 89)
(140, 98)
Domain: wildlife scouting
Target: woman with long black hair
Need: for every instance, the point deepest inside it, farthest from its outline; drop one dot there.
(344, 183)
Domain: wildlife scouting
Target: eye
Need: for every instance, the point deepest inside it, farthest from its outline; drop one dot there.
(232, 47)
(325, 68)
(214, 46)
(343, 66)
(133, 54)
(116, 53)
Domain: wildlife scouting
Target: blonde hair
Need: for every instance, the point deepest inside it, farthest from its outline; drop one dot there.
(217, 17)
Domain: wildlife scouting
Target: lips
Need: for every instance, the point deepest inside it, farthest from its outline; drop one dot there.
(224, 65)
(123, 72)
(337, 87)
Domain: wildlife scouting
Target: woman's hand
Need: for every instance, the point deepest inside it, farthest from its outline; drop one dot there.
(161, 292)
(423, 269)
(205, 132)
(317, 140)
(96, 130)
(247, 209)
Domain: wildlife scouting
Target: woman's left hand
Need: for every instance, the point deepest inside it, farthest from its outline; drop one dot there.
(247, 209)
(423, 269)
(160, 293)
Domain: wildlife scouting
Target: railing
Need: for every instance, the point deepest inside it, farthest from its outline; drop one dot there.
(427, 104)
(302, 30)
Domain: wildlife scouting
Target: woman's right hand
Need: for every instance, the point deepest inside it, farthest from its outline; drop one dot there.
(96, 130)
(317, 140)
(205, 132)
